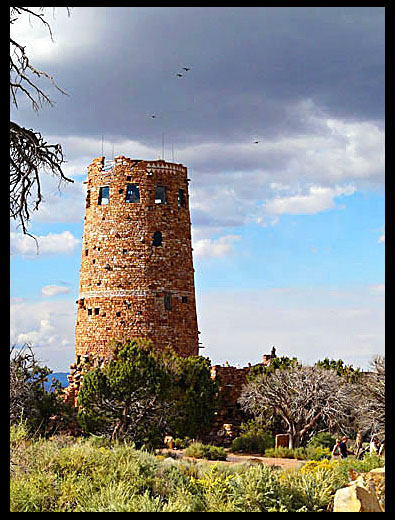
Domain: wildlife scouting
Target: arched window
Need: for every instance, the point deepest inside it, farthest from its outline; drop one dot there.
(157, 239)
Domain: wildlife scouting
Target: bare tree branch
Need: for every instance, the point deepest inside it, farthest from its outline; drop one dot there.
(30, 154)
(303, 397)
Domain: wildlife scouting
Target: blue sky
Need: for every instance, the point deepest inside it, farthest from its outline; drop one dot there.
(288, 233)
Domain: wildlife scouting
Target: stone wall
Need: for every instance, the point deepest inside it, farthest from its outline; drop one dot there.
(231, 380)
(137, 276)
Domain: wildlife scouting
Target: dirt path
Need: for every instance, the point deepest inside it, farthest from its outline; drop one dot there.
(233, 458)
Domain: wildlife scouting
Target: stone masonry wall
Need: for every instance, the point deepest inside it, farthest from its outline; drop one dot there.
(130, 287)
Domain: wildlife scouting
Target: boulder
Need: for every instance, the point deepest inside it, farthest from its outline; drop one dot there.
(364, 494)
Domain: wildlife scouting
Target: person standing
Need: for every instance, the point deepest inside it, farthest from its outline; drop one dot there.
(358, 445)
(336, 453)
(344, 449)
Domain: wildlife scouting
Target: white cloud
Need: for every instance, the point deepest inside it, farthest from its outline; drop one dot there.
(48, 326)
(69, 35)
(51, 244)
(214, 248)
(60, 205)
(317, 199)
(54, 290)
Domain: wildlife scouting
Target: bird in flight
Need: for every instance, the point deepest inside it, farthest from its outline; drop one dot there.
(153, 116)
(179, 75)
(186, 68)
(256, 142)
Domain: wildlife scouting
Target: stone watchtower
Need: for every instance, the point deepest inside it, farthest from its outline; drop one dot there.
(137, 276)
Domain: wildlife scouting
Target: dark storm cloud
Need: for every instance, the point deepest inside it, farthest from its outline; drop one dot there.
(249, 67)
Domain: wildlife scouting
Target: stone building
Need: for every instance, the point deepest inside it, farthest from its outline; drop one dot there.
(137, 276)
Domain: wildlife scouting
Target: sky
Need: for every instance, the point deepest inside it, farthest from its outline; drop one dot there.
(280, 122)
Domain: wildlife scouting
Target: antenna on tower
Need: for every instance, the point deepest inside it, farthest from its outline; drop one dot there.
(163, 145)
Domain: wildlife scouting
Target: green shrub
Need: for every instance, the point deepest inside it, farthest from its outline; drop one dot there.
(62, 474)
(19, 431)
(322, 440)
(317, 453)
(286, 453)
(199, 450)
(181, 444)
(252, 443)
(309, 492)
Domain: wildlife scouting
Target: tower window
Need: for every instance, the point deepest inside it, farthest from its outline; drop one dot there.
(97, 310)
(104, 195)
(157, 239)
(184, 299)
(167, 301)
(160, 195)
(88, 198)
(132, 193)
(89, 312)
(181, 198)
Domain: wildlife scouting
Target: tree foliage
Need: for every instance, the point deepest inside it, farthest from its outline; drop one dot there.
(338, 365)
(195, 395)
(43, 411)
(128, 397)
(143, 394)
(277, 363)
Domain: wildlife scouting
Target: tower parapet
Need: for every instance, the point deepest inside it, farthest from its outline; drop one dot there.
(137, 276)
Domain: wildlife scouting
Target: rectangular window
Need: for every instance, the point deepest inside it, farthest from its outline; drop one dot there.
(97, 310)
(160, 195)
(181, 198)
(104, 195)
(167, 300)
(184, 299)
(132, 193)
(88, 199)
(89, 312)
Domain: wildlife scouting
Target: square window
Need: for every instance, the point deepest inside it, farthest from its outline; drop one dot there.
(104, 195)
(157, 239)
(132, 193)
(181, 198)
(160, 195)
(167, 301)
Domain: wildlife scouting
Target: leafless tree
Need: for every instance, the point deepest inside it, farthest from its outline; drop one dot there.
(30, 154)
(26, 378)
(306, 398)
(371, 393)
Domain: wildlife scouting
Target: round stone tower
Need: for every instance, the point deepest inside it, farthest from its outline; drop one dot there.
(137, 276)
